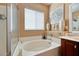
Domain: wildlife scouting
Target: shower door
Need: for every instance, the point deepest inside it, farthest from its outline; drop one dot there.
(3, 38)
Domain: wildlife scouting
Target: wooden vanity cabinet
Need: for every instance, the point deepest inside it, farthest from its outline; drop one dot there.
(69, 48)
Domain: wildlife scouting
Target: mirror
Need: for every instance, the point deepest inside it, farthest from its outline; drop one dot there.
(57, 15)
(56, 19)
(75, 21)
(74, 18)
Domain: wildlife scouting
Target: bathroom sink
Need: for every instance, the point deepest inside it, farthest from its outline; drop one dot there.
(35, 46)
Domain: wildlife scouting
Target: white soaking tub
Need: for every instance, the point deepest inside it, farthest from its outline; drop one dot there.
(35, 47)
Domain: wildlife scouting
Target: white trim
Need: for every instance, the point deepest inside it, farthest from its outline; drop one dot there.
(70, 18)
(17, 49)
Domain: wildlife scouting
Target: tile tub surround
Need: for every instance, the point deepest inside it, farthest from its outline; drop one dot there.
(52, 52)
(24, 39)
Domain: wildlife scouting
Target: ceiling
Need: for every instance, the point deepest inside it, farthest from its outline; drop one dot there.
(48, 4)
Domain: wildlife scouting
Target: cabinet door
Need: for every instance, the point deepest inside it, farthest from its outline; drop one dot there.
(71, 48)
(63, 47)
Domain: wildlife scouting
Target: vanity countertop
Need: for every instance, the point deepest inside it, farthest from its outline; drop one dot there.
(73, 38)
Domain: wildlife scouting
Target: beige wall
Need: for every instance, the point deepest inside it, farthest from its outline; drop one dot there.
(21, 7)
(44, 8)
(76, 13)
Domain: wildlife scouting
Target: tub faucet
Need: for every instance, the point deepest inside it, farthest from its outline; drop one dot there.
(44, 37)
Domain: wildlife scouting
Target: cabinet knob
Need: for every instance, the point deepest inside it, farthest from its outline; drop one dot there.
(75, 46)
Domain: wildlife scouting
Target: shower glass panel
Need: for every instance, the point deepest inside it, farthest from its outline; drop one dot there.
(12, 26)
(3, 32)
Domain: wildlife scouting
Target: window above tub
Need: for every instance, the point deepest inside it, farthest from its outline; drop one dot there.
(34, 19)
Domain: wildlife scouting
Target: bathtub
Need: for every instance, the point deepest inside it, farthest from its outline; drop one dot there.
(40, 47)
